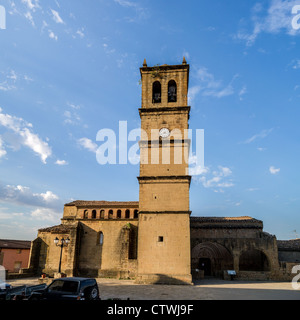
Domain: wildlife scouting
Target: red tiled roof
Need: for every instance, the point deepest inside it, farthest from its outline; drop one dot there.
(62, 228)
(15, 244)
(83, 203)
(225, 222)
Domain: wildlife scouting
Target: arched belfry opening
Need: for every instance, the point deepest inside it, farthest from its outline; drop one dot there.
(156, 92)
(172, 91)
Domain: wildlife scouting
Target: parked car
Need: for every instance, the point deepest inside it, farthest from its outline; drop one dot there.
(71, 288)
(4, 287)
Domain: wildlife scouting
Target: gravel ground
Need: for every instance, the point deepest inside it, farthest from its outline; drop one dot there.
(208, 289)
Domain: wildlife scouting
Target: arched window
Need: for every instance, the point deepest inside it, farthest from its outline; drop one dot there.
(100, 238)
(85, 214)
(156, 92)
(94, 214)
(110, 214)
(119, 214)
(136, 214)
(101, 214)
(172, 91)
(127, 214)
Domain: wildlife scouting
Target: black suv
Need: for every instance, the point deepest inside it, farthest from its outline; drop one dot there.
(69, 289)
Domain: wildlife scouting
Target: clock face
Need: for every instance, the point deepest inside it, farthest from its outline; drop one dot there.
(164, 132)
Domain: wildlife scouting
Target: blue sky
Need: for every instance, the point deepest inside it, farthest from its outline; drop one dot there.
(70, 68)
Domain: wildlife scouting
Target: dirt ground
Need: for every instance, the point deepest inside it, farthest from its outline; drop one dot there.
(207, 289)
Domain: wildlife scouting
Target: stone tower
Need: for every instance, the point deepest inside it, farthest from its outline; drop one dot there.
(164, 216)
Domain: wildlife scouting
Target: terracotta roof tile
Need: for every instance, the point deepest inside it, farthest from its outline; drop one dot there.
(15, 244)
(83, 203)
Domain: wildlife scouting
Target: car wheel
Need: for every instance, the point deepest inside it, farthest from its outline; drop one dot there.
(93, 294)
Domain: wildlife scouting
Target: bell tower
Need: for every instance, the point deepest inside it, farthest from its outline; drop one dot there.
(164, 216)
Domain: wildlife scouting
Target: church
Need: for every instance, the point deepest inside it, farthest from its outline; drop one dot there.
(156, 240)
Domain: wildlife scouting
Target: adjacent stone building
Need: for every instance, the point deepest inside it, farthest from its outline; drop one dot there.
(156, 240)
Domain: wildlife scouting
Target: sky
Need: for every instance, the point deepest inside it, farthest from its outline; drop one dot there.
(71, 68)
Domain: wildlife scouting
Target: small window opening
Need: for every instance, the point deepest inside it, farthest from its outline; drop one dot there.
(102, 214)
(85, 214)
(119, 214)
(101, 238)
(160, 239)
(127, 214)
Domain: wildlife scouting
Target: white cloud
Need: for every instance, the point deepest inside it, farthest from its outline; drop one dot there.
(24, 196)
(296, 64)
(73, 106)
(193, 92)
(242, 92)
(12, 76)
(71, 117)
(252, 189)
(196, 169)
(80, 33)
(29, 17)
(88, 144)
(274, 170)
(8, 80)
(261, 135)
(217, 179)
(28, 138)
(52, 35)
(140, 12)
(207, 85)
(61, 162)
(49, 196)
(31, 4)
(56, 17)
(125, 3)
(45, 214)
(26, 78)
(277, 18)
(2, 150)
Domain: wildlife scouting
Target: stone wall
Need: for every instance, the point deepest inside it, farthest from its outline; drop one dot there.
(226, 242)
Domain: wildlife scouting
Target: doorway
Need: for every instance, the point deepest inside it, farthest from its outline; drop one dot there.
(205, 265)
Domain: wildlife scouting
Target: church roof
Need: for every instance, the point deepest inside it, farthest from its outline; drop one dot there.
(226, 222)
(293, 245)
(60, 229)
(83, 203)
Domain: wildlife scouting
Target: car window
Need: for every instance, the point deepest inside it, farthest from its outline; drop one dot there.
(63, 286)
